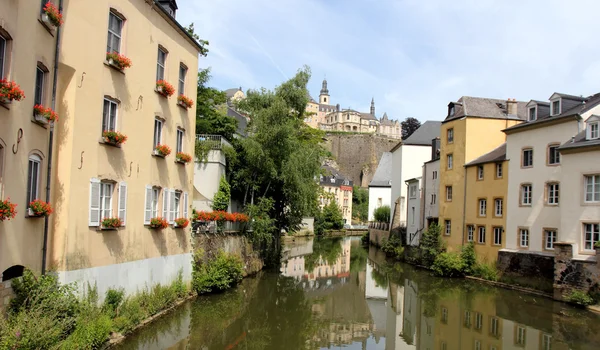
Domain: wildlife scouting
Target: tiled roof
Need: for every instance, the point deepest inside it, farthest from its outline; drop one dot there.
(230, 92)
(496, 155)
(367, 116)
(579, 141)
(242, 122)
(331, 172)
(424, 134)
(486, 108)
(383, 174)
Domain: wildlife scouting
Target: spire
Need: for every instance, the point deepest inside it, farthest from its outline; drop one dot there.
(373, 106)
(324, 90)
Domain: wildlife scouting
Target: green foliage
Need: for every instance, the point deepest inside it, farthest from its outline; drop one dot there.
(211, 113)
(218, 274)
(409, 126)
(382, 214)
(579, 298)
(597, 245)
(360, 204)
(393, 247)
(448, 265)
(263, 226)
(91, 332)
(202, 149)
(203, 43)
(365, 238)
(330, 218)
(431, 244)
(113, 299)
(223, 196)
(486, 271)
(469, 258)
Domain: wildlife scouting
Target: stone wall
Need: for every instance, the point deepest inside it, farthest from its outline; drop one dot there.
(6, 293)
(357, 155)
(574, 274)
(210, 244)
(527, 269)
(376, 236)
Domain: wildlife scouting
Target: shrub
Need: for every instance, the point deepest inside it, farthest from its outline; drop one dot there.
(330, 218)
(393, 247)
(486, 271)
(431, 244)
(469, 258)
(448, 265)
(113, 299)
(382, 214)
(217, 275)
(365, 238)
(223, 196)
(579, 298)
(91, 332)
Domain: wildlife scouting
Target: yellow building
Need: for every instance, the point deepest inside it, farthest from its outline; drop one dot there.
(27, 51)
(95, 178)
(336, 187)
(472, 128)
(485, 215)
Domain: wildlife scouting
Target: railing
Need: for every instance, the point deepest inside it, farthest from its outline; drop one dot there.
(225, 227)
(379, 225)
(216, 141)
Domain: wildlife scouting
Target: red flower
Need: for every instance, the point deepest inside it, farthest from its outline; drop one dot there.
(219, 215)
(185, 101)
(182, 222)
(10, 90)
(114, 137)
(163, 150)
(47, 113)
(53, 14)
(119, 60)
(40, 208)
(159, 223)
(183, 157)
(112, 222)
(165, 88)
(7, 210)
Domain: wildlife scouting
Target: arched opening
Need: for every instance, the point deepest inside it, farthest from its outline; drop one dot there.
(13, 272)
(355, 128)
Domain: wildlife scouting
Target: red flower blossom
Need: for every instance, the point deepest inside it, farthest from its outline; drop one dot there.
(159, 223)
(7, 210)
(112, 222)
(184, 101)
(183, 157)
(119, 60)
(114, 137)
(163, 150)
(164, 88)
(219, 216)
(40, 208)
(47, 113)
(10, 90)
(182, 222)
(53, 14)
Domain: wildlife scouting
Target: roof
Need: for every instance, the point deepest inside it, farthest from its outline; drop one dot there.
(242, 122)
(383, 174)
(231, 92)
(576, 111)
(570, 97)
(424, 134)
(386, 121)
(496, 155)
(367, 116)
(333, 173)
(176, 24)
(579, 141)
(468, 106)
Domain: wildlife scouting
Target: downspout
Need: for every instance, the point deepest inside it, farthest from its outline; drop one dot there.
(50, 141)
(464, 208)
(423, 196)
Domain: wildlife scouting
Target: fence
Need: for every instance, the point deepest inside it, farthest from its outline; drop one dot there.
(379, 225)
(199, 227)
(216, 141)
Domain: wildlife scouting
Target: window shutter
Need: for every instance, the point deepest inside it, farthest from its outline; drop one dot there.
(123, 202)
(94, 202)
(165, 208)
(172, 208)
(148, 205)
(185, 205)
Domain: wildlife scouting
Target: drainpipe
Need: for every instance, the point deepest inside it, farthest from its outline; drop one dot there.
(464, 208)
(50, 139)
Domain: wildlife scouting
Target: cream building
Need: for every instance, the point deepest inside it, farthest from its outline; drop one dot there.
(27, 51)
(93, 179)
(336, 187)
(430, 187)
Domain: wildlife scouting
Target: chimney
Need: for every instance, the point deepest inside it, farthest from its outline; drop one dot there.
(435, 148)
(169, 5)
(511, 107)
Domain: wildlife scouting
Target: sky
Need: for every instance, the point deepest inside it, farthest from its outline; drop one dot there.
(412, 56)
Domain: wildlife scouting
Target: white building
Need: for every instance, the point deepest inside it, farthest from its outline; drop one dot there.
(536, 175)
(414, 224)
(207, 174)
(408, 158)
(430, 187)
(380, 188)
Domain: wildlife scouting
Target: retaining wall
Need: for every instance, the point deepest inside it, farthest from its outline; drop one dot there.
(210, 244)
(377, 236)
(574, 274)
(6, 293)
(528, 269)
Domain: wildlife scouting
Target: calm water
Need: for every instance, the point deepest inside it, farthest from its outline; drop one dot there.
(333, 293)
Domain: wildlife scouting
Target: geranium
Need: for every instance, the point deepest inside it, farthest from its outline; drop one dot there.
(184, 101)
(118, 60)
(10, 90)
(183, 157)
(182, 222)
(202, 216)
(165, 88)
(219, 215)
(112, 222)
(7, 210)
(159, 223)
(114, 137)
(53, 14)
(40, 208)
(239, 217)
(47, 113)
(163, 150)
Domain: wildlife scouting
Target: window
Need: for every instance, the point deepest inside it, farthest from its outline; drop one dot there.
(470, 233)
(592, 188)
(1, 168)
(495, 326)
(532, 114)
(467, 321)
(524, 237)
(433, 199)
(450, 159)
(552, 193)
(593, 128)
(160, 66)
(477, 345)
(158, 124)
(480, 172)
(546, 342)
(450, 135)
(448, 227)
(526, 194)
(527, 160)
(498, 202)
(481, 234)
(38, 98)
(444, 315)
(449, 193)
(101, 197)
(499, 170)
(109, 115)
(591, 235)
(413, 191)
(553, 155)
(497, 235)
(482, 207)
(106, 189)
(379, 202)
(549, 239)
(478, 321)
(434, 174)
(556, 107)
(180, 140)
(2, 55)
(521, 336)
(115, 25)
(176, 205)
(154, 202)
(182, 73)
(33, 177)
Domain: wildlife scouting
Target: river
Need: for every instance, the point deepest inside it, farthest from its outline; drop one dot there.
(334, 293)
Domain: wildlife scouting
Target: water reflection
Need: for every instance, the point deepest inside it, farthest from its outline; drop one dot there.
(333, 293)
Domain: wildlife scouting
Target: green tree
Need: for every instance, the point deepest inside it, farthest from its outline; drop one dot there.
(211, 109)
(223, 196)
(431, 244)
(409, 126)
(382, 214)
(360, 204)
(203, 43)
(330, 218)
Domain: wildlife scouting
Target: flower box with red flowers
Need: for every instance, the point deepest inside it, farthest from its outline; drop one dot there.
(118, 61)
(39, 208)
(111, 223)
(7, 210)
(51, 15)
(10, 91)
(44, 115)
(162, 150)
(181, 223)
(184, 101)
(164, 88)
(183, 158)
(158, 223)
(114, 137)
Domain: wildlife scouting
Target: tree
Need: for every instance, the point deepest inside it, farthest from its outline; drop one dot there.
(330, 218)
(382, 214)
(409, 125)
(360, 204)
(203, 43)
(223, 196)
(431, 244)
(211, 110)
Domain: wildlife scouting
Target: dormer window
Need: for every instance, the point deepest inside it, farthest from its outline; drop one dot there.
(593, 128)
(333, 180)
(532, 114)
(451, 110)
(555, 107)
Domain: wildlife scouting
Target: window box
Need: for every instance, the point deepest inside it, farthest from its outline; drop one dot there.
(111, 224)
(183, 158)
(114, 138)
(162, 150)
(118, 61)
(181, 223)
(10, 91)
(43, 115)
(52, 16)
(39, 208)
(7, 210)
(164, 88)
(184, 101)
(158, 223)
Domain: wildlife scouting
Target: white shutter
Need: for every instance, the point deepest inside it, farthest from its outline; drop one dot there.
(185, 205)
(165, 208)
(172, 208)
(148, 205)
(94, 202)
(122, 202)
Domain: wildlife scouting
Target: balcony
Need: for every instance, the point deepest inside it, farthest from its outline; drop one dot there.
(216, 142)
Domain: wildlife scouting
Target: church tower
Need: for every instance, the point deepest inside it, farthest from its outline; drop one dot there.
(324, 95)
(373, 106)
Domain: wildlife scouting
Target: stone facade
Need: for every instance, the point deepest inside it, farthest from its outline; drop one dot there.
(376, 236)
(6, 294)
(574, 274)
(527, 269)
